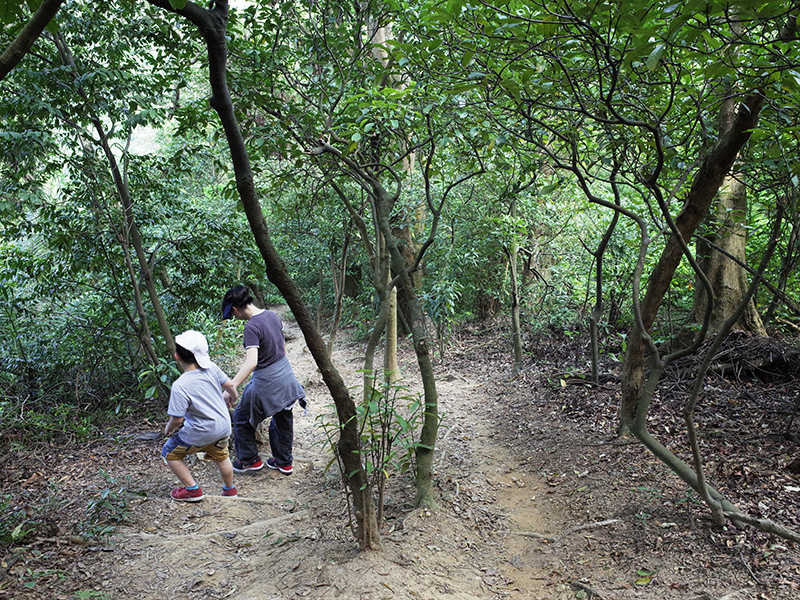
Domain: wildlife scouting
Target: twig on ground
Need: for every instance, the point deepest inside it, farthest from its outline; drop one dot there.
(533, 534)
(577, 585)
(749, 570)
(255, 528)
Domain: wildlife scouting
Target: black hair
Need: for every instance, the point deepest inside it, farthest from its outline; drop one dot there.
(185, 355)
(238, 296)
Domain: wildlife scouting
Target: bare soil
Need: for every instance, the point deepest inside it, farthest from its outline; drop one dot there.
(537, 499)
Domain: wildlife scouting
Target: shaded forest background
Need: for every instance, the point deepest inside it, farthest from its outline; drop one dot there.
(626, 177)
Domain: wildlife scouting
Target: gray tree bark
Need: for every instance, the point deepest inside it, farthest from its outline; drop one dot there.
(708, 179)
(727, 231)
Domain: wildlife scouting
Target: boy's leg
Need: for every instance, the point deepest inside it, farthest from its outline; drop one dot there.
(218, 452)
(281, 436)
(182, 471)
(173, 453)
(226, 471)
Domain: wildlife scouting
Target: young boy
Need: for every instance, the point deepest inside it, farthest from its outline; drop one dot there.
(196, 403)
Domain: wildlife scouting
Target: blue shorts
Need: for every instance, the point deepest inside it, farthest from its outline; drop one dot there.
(176, 449)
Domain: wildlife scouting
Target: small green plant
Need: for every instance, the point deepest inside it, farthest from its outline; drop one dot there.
(34, 576)
(388, 421)
(28, 514)
(649, 492)
(689, 497)
(107, 510)
(155, 380)
(439, 303)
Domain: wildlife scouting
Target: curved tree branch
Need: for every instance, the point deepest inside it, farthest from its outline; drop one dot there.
(29, 34)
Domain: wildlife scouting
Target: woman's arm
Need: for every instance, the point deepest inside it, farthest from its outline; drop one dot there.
(229, 394)
(250, 362)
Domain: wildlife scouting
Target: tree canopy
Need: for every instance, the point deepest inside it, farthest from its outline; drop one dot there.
(563, 164)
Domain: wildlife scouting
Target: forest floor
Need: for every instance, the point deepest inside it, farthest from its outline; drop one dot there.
(537, 499)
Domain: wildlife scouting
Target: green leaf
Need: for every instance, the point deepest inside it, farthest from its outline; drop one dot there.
(18, 532)
(10, 10)
(655, 57)
(466, 60)
(177, 4)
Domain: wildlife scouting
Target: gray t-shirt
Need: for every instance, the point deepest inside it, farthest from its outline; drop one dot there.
(265, 332)
(197, 397)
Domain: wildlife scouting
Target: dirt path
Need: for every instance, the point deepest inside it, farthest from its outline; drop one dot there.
(515, 520)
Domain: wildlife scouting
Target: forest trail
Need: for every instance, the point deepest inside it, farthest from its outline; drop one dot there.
(286, 537)
(530, 509)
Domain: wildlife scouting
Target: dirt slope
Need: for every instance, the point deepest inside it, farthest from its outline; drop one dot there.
(533, 505)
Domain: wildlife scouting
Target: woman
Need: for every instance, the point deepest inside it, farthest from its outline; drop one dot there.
(272, 391)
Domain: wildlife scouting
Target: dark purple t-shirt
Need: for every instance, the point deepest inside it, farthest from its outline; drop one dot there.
(265, 332)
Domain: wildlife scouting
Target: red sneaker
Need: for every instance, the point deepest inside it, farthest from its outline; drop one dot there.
(240, 466)
(184, 495)
(285, 469)
(230, 492)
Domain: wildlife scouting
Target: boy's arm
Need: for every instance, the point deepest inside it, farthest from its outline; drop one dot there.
(230, 395)
(173, 424)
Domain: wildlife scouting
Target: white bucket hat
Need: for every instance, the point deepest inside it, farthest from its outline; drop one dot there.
(195, 342)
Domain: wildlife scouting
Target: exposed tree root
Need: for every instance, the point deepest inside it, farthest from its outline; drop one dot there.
(257, 527)
(570, 531)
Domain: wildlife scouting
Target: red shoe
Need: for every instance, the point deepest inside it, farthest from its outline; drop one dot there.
(285, 469)
(184, 495)
(240, 466)
(230, 492)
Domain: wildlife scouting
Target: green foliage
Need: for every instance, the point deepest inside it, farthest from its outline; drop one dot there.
(155, 380)
(565, 108)
(33, 576)
(106, 510)
(389, 421)
(388, 426)
(26, 515)
(439, 302)
(14, 526)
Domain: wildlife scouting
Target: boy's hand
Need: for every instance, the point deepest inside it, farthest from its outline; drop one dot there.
(229, 400)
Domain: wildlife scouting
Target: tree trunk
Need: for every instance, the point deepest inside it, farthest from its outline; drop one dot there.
(597, 309)
(516, 328)
(728, 238)
(212, 24)
(789, 260)
(338, 276)
(415, 319)
(390, 366)
(707, 181)
(143, 331)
